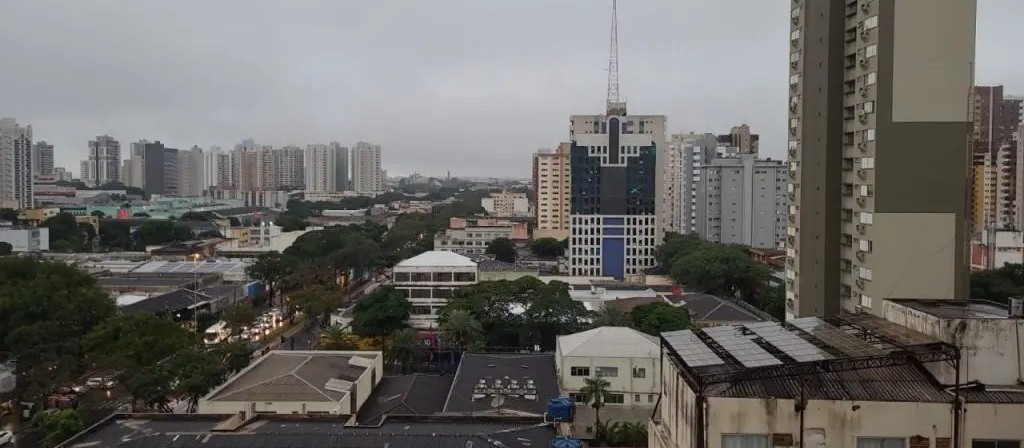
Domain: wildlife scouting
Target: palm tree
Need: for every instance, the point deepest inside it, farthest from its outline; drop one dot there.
(461, 329)
(404, 347)
(595, 393)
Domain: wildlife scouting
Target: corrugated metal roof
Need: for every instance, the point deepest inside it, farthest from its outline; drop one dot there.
(902, 383)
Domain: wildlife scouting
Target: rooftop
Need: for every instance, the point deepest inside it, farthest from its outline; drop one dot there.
(191, 431)
(189, 267)
(958, 309)
(771, 351)
(610, 342)
(415, 394)
(293, 376)
(709, 308)
(467, 395)
(436, 258)
(178, 299)
(501, 266)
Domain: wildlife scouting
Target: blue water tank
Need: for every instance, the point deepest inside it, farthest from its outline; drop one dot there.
(253, 289)
(561, 409)
(566, 442)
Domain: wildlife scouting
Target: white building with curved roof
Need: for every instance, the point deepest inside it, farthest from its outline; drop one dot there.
(626, 358)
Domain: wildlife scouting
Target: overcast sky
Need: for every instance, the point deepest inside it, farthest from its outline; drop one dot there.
(471, 86)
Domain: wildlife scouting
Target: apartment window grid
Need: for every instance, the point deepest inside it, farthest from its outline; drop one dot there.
(881, 442)
(745, 441)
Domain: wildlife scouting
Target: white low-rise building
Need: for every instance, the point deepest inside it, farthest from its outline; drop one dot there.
(428, 280)
(626, 358)
(299, 382)
(506, 204)
(26, 239)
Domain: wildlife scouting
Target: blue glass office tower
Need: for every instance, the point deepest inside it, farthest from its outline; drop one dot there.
(614, 181)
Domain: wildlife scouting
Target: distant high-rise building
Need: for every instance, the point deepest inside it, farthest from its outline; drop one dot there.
(614, 219)
(342, 168)
(191, 171)
(42, 158)
(740, 138)
(742, 200)
(15, 164)
(321, 168)
(216, 168)
(160, 171)
(367, 176)
(288, 168)
(551, 184)
(104, 162)
(996, 119)
(61, 174)
(878, 152)
(695, 151)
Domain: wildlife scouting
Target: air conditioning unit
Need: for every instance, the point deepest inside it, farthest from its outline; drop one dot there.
(862, 145)
(865, 6)
(862, 202)
(862, 228)
(860, 255)
(864, 35)
(863, 174)
(792, 153)
(792, 107)
(795, 42)
(863, 63)
(796, 20)
(864, 92)
(793, 64)
(862, 117)
(860, 283)
(792, 130)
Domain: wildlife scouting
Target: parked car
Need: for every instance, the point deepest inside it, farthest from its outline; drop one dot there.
(6, 437)
(94, 383)
(79, 389)
(108, 383)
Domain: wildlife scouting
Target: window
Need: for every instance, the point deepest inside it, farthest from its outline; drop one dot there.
(744, 441)
(606, 371)
(639, 372)
(615, 399)
(880, 442)
(636, 398)
(650, 398)
(579, 371)
(995, 443)
(401, 277)
(578, 397)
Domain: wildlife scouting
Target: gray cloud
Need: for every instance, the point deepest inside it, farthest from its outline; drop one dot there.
(469, 86)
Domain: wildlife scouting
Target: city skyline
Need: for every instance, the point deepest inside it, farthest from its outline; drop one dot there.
(187, 95)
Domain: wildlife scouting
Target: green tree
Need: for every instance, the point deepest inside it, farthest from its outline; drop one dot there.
(317, 302)
(134, 341)
(197, 216)
(98, 214)
(381, 313)
(234, 356)
(460, 329)
(140, 215)
(150, 386)
(999, 284)
(58, 426)
(6, 248)
(547, 247)
(405, 348)
(239, 316)
(503, 249)
(155, 232)
(675, 245)
(196, 371)
(658, 317)
(624, 434)
(721, 270)
(269, 268)
(595, 393)
(611, 316)
(335, 338)
(63, 227)
(45, 310)
(775, 302)
(8, 214)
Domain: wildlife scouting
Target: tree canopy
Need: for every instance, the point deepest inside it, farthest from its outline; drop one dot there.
(161, 231)
(380, 313)
(725, 270)
(547, 247)
(658, 317)
(503, 249)
(999, 284)
(520, 313)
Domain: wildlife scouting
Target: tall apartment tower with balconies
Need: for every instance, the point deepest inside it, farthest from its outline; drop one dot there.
(877, 87)
(551, 184)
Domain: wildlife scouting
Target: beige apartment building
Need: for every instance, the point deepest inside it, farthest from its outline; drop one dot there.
(551, 183)
(876, 87)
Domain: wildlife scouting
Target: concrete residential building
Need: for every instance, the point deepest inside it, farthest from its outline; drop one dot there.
(551, 184)
(672, 177)
(160, 173)
(216, 168)
(321, 168)
(996, 119)
(289, 169)
(626, 358)
(615, 191)
(695, 150)
(742, 201)
(104, 162)
(367, 176)
(472, 236)
(15, 164)
(739, 137)
(875, 88)
(42, 158)
(191, 172)
(506, 205)
(133, 171)
(428, 280)
(342, 167)
(852, 381)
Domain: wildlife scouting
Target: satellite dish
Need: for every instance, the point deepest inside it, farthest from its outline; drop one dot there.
(497, 401)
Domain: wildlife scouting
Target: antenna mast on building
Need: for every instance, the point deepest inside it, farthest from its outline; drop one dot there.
(614, 105)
